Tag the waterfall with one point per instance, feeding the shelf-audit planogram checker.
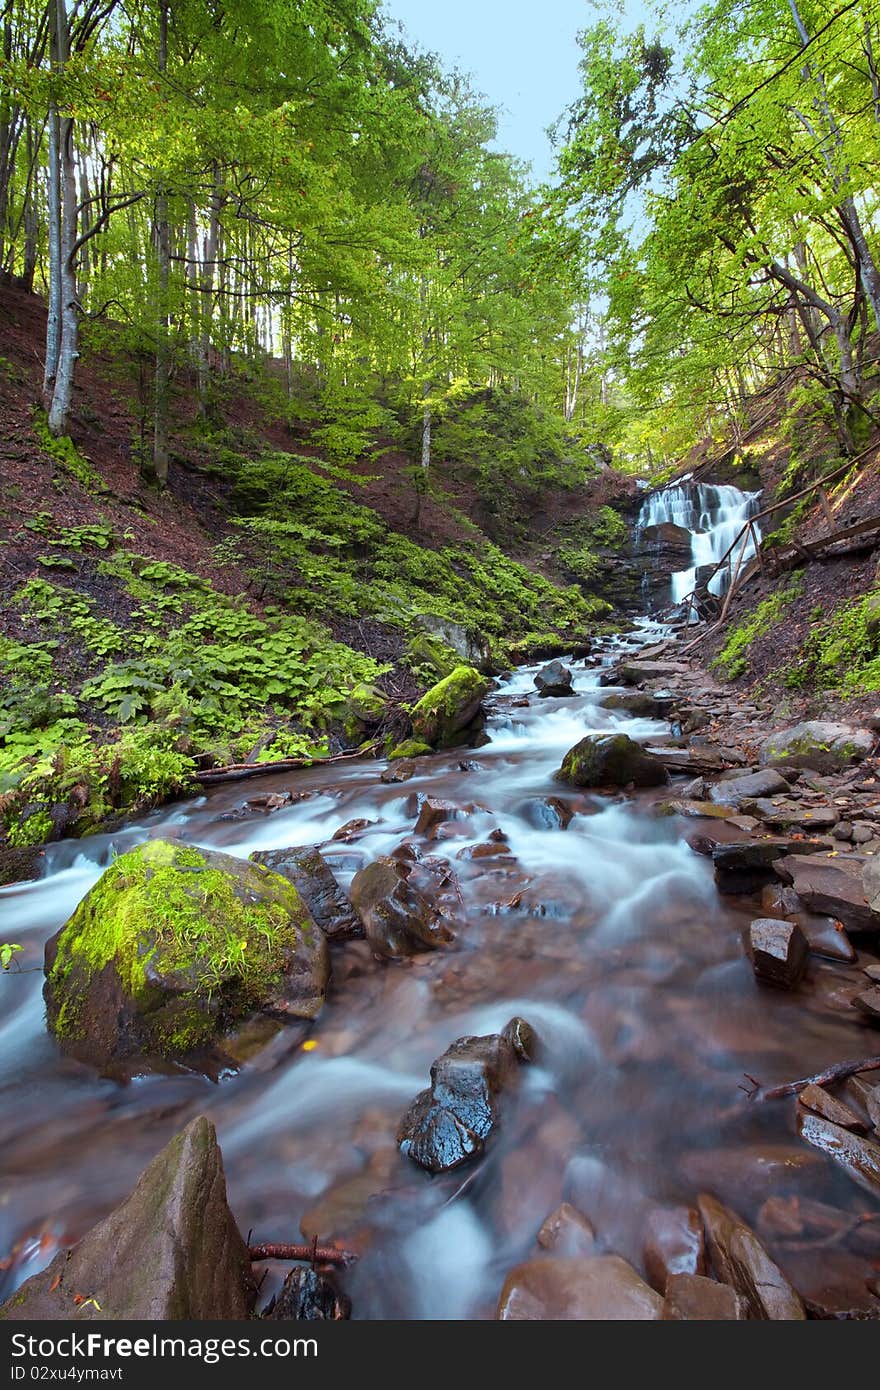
(714, 514)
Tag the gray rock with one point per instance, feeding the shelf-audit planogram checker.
(739, 789)
(846, 887)
(467, 642)
(554, 679)
(170, 1252)
(817, 744)
(307, 869)
(399, 919)
(778, 951)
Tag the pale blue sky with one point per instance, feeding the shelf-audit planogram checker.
(521, 53)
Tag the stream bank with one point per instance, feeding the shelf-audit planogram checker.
(609, 937)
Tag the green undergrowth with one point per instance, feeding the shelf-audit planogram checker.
(842, 651)
(733, 659)
(121, 676)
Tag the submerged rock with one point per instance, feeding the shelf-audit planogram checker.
(545, 813)
(817, 1099)
(449, 707)
(175, 947)
(596, 1289)
(778, 951)
(567, 1232)
(449, 1123)
(553, 679)
(310, 874)
(846, 887)
(739, 1259)
(817, 744)
(674, 1244)
(398, 918)
(171, 1251)
(611, 760)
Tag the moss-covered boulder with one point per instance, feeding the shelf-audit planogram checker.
(427, 653)
(611, 760)
(176, 949)
(819, 745)
(410, 748)
(362, 710)
(449, 706)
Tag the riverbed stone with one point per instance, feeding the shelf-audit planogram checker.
(310, 873)
(545, 812)
(819, 745)
(399, 919)
(554, 679)
(736, 791)
(152, 961)
(778, 951)
(846, 887)
(739, 1259)
(821, 1102)
(171, 1251)
(641, 704)
(597, 1289)
(694, 1298)
(674, 1244)
(868, 1002)
(307, 1296)
(450, 1122)
(611, 760)
(858, 1155)
(567, 1232)
(445, 711)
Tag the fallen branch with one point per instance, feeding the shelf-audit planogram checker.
(839, 1072)
(235, 772)
(314, 1253)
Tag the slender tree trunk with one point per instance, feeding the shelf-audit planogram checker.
(30, 217)
(53, 195)
(68, 348)
(162, 236)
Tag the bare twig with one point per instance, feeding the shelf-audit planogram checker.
(312, 1253)
(839, 1072)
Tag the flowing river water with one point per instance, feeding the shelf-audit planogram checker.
(609, 937)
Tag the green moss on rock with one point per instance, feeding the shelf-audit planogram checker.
(611, 760)
(174, 947)
(410, 748)
(449, 706)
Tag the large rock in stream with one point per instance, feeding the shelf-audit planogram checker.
(611, 760)
(553, 679)
(600, 1288)
(171, 1251)
(449, 1123)
(176, 950)
(446, 710)
(817, 744)
(399, 918)
(846, 887)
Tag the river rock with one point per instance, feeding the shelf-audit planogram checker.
(567, 1232)
(846, 887)
(869, 1003)
(735, 791)
(434, 811)
(858, 1155)
(307, 1296)
(449, 1123)
(307, 869)
(449, 707)
(152, 960)
(778, 951)
(674, 1244)
(399, 920)
(611, 760)
(641, 704)
(739, 1259)
(468, 643)
(553, 679)
(693, 1298)
(171, 1251)
(400, 771)
(545, 813)
(634, 672)
(817, 744)
(817, 1099)
(598, 1289)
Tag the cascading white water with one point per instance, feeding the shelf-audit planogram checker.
(714, 514)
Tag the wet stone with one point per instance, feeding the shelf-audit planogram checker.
(545, 813)
(857, 1155)
(567, 1232)
(868, 1003)
(400, 771)
(735, 791)
(693, 1298)
(308, 1296)
(739, 1259)
(306, 868)
(601, 1288)
(353, 829)
(817, 1099)
(451, 1121)
(554, 679)
(398, 918)
(778, 951)
(674, 1244)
